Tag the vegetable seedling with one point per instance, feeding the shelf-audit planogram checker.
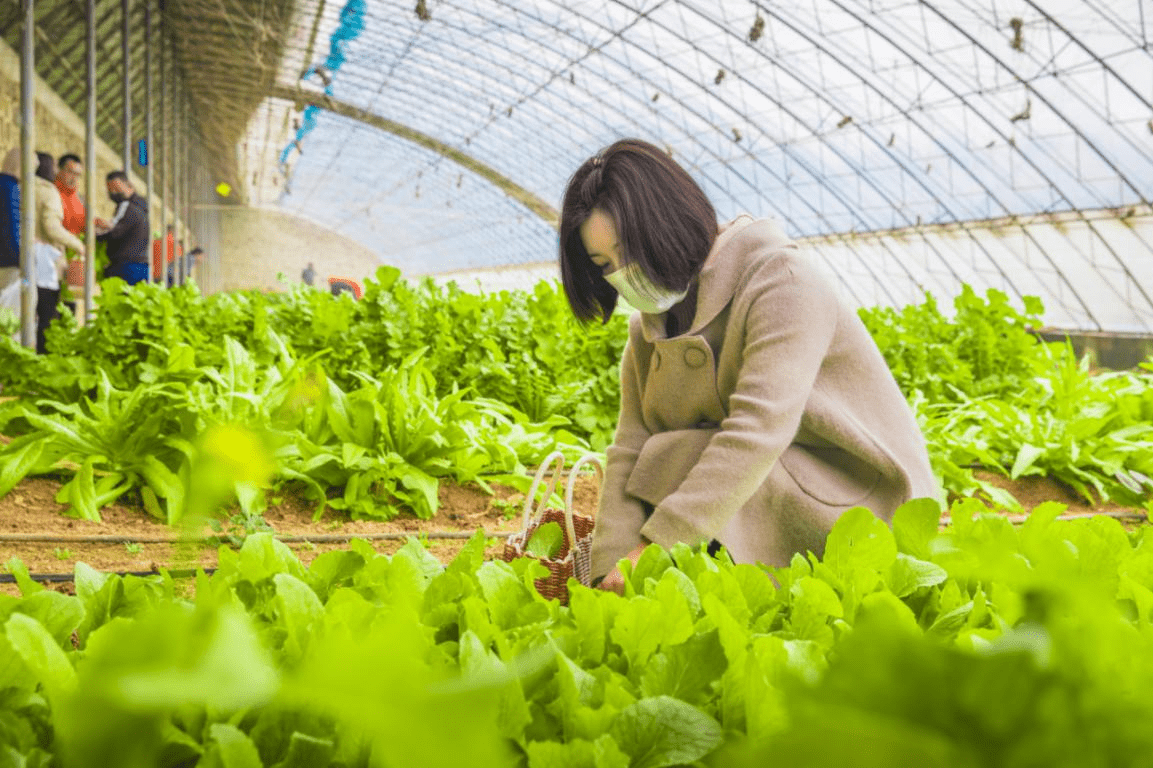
(545, 541)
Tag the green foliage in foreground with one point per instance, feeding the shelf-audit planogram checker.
(979, 645)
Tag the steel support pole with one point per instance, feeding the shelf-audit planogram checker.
(27, 174)
(177, 172)
(186, 191)
(150, 159)
(177, 180)
(90, 176)
(125, 30)
(190, 239)
(162, 155)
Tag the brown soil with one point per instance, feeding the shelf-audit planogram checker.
(1033, 491)
(31, 510)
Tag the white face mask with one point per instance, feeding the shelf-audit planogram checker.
(634, 287)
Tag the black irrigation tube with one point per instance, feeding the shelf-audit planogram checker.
(64, 578)
(8, 578)
(322, 538)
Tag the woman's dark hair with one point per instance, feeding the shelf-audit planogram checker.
(47, 166)
(665, 222)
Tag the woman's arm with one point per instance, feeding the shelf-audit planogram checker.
(621, 516)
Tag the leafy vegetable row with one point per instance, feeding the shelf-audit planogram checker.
(416, 382)
(197, 436)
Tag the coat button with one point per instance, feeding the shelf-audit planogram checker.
(656, 361)
(695, 357)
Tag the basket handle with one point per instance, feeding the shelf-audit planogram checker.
(588, 458)
(529, 511)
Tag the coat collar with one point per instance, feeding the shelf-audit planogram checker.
(721, 273)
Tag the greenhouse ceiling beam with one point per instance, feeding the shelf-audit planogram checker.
(499, 65)
(1138, 41)
(74, 90)
(644, 104)
(798, 159)
(787, 150)
(344, 109)
(1104, 65)
(820, 95)
(1104, 241)
(492, 64)
(916, 178)
(1040, 97)
(1000, 133)
(981, 246)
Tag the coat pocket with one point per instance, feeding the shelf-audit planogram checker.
(830, 475)
(665, 460)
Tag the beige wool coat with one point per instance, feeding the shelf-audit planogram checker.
(50, 219)
(764, 421)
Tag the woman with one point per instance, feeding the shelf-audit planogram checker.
(755, 407)
(51, 241)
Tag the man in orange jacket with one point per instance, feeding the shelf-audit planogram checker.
(70, 172)
(68, 177)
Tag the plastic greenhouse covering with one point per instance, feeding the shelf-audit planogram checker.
(915, 146)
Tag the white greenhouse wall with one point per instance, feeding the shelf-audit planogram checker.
(1092, 272)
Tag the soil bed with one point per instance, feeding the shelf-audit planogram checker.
(30, 510)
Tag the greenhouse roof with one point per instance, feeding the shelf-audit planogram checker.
(834, 117)
(441, 133)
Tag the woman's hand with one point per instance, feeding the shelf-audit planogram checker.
(615, 580)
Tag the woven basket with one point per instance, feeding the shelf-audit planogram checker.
(574, 559)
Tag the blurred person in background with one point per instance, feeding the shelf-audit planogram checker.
(52, 241)
(162, 264)
(193, 257)
(69, 174)
(755, 406)
(10, 219)
(126, 234)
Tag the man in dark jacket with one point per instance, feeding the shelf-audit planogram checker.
(127, 233)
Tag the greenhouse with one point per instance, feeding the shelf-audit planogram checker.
(309, 455)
